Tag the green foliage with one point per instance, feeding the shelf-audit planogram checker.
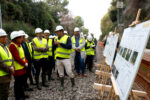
(32, 14)
(57, 8)
(78, 21)
(106, 26)
(85, 30)
(113, 14)
(16, 25)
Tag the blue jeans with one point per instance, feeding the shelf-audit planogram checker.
(79, 63)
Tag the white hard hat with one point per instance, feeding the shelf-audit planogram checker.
(47, 31)
(110, 33)
(58, 28)
(38, 30)
(22, 32)
(52, 36)
(76, 29)
(26, 36)
(85, 34)
(81, 34)
(89, 38)
(15, 34)
(2, 33)
(65, 32)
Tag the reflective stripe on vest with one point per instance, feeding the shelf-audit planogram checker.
(40, 55)
(80, 43)
(6, 58)
(22, 56)
(60, 51)
(50, 41)
(90, 51)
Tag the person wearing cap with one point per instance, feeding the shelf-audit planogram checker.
(63, 50)
(28, 53)
(65, 32)
(6, 66)
(50, 54)
(20, 63)
(95, 41)
(40, 57)
(78, 51)
(90, 52)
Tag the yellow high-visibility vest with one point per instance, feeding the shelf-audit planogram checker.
(6, 58)
(60, 51)
(80, 42)
(29, 48)
(22, 56)
(40, 55)
(50, 44)
(90, 51)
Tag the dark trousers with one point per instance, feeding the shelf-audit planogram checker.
(79, 63)
(29, 75)
(42, 63)
(19, 86)
(51, 65)
(4, 91)
(89, 62)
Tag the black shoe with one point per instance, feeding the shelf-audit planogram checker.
(91, 71)
(32, 83)
(29, 89)
(52, 79)
(44, 82)
(20, 99)
(61, 88)
(26, 97)
(39, 87)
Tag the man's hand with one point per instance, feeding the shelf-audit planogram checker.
(26, 64)
(77, 49)
(57, 42)
(45, 49)
(12, 70)
(92, 46)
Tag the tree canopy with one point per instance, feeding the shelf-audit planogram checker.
(30, 14)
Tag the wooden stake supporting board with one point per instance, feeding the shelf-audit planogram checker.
(137, 20)
(113, 92)
(110, 89)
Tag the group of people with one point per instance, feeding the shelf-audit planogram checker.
(27, 60)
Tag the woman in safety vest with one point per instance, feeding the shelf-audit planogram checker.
(20, 64)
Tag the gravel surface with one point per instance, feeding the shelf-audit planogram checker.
(85, 90)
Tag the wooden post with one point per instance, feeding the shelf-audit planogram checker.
(138, 15)
(137, 20)
(132, 95)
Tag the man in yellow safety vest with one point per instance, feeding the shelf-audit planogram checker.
(63, 50)
(40, 57)
(51, 60)
(6, 66)
(28, 53)
(90, 52)
(78, 50)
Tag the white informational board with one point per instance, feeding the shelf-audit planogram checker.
(129, 57)
(110, 48)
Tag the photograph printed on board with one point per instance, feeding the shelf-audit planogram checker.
(134, 57)
(128, 54)
(124, 52)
